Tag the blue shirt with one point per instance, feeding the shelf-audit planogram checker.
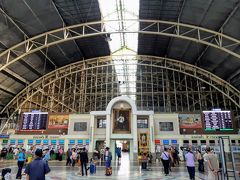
(21, 156)
(37, 169)
(47, 156)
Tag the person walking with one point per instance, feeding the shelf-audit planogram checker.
(190, 162)
(20, 163)
(38, 168)
(200, 161)
(60, 152)
(68, 157)
(165, 157)
(119, 153)
(84, 160)
(213, 164)
(108, 159)
(73, 157)
(176, 157)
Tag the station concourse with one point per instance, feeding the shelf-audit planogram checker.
(148, 89)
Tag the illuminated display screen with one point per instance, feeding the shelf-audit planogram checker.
(217, 120)
(34, 121)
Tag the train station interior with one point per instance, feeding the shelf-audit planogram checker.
(123, 81)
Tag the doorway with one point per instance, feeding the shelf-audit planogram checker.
(122, 151)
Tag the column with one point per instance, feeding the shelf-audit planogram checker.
(108, 130)
(180, 142)
(152, 134)
(91, 134)
(112, 149)
(25, 143)
(66, 140)
(135, 136)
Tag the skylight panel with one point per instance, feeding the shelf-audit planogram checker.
(124, 42)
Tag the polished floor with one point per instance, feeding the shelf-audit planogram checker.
(123, 170)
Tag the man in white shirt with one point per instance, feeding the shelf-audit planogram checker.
(190, 162)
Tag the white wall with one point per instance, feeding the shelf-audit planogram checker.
(98, 131)
(78, 118)
(166, 118)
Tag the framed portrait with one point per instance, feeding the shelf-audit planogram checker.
(121, 121)
(143, 140)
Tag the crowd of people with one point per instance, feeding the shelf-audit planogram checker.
(34, 162)
(207, 162)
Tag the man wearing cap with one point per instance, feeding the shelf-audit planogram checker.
(37, 169)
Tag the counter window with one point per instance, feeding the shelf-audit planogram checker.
(194, 141)
(203, 142)
(233, 142)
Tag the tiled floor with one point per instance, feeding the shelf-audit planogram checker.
(121, 171)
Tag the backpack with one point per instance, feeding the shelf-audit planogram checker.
(5, 171)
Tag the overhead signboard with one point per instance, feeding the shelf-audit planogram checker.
(217, 120)
(34, 121)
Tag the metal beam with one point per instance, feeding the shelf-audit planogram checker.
(64, 25)
(4, 89)
(233, 75)
(202, 18)
(15, 76)
(61, 35)
(219, 30)
(24, 63)
(103, 86)
(178, 20)
(174, 65)
(26, 36)
(64, 54)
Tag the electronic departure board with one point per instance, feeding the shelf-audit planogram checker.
(34, 121)
(217, 120)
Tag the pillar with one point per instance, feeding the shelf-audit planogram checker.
(91, 134)
(108, 130)
(66, 140)
(152, 135)
(135, 136)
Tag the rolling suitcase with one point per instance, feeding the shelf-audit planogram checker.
(92, 168)
(108, 171)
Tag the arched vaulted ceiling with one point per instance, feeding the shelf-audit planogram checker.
(23, 19)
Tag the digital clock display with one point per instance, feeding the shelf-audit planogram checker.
(217, 120)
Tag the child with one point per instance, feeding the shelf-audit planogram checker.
(92, 166)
